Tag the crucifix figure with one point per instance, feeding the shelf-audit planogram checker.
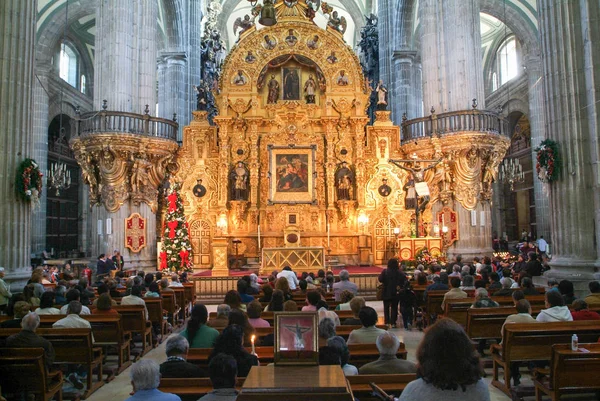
(298, 334)
(417, 169)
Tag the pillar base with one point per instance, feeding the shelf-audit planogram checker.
(579, 271)
(219, 250)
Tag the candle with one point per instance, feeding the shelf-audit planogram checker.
(328, 234)
(259, 237)
(252, 340)
(443, 220)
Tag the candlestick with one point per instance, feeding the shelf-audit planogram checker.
(259, 237)
(252, 340)
(328, 234)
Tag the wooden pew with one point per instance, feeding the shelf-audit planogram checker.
(24, 370)
(156, 315)
(169, 304)
(570, 372)
(486, 323)
(109, 334)
(391, 384)
(134, 320)
(533, 342)
(361, 354)
(180, 302)
(199, 356)
(191, 389)
(190, 297)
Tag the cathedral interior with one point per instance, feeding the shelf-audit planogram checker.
(352, 130)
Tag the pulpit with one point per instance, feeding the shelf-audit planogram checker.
(291, 383)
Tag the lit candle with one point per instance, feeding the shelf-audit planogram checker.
(252, 340)
(259, 237)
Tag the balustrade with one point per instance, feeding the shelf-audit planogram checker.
(121, 122)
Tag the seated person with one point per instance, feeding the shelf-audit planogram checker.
(454, 293)
(47, 305)
(27, 338)
(276, 304)
(339, 343)
(175, 281)
(20, 309)
(104, 306)
(242, 287)
(482, 300)
(230, 342)
(345, 298)
(468, 283)
(234, 300)
(505, 291)
(176, 365)
(368, 333)
(239, 318)
(523, 314)
(145, 379)
(356, 304)
(388, 363)
(312, 299)
(582, 312)
(290, 306)
(326, 331)
(74, 295)
(254, 311)
(223, 375)
(593, 300)
(267, 293)
(103, 289)
(135, 298)
(73, 320)
(153, 291)
(344, 285)
(164, 285)
(565, 287)
(527, 287)
(198, 334)
(556, 310)
(222, 319)
(494, 281)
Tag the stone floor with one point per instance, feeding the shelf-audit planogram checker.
(119, 388)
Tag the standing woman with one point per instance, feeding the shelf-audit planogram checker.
(393, 281)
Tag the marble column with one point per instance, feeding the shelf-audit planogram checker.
(451, 54)
(537, 121)
(125, 59)
(172, 94)
(407, 86)
(385, 15)
(18, 27)
(569, 34)
(194, 16)
(40, 153)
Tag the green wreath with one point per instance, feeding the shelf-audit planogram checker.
(29, 181)
(548, 163)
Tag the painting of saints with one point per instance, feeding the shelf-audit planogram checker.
(292, 173)
(291, 84)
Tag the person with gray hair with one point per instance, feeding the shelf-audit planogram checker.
(326, 331)
(456, 271)
(388, 363)
(482, 300)
(175, 281)
(5, 293)
(339, 344)
(164, 285)
(506, 290)
(27, 338)
(344, 284)
(176, 365)
(222, 319)
(468, 283)
(145, 378)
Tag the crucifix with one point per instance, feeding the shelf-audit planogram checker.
(417, 168)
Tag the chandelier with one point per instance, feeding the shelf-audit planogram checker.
(59, 177)
(511, 172)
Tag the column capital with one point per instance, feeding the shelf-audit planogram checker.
(172, 57)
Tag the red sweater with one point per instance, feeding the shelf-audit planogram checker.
(585, 314)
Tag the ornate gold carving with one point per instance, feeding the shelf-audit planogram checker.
(132, 167)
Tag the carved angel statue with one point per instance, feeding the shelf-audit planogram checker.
(313, 7)
(338, 23)
(243, 24)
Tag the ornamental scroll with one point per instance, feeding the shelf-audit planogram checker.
(135, 232)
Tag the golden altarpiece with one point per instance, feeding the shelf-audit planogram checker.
(292, 162)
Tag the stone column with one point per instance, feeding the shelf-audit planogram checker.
(407, 86)
(193, 59)
(40, 154)
(385, 15)
(537, 121)
(125, 62)
(18, 26)
(450, 49)
(172, 95)
(569, 34)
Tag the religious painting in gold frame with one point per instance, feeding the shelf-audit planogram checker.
(291, 172)
(296, 338)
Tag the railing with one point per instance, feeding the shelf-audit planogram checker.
(121, 122)
(483, 121)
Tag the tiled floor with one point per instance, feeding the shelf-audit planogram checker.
(119, 389)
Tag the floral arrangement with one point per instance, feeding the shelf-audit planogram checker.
(548, 161)
(425, 258)
(28, 183)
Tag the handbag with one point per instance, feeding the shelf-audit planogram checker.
(379, 293)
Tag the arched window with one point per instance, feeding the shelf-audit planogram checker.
(508, 63)
(82, 86)
(68, 64)
(494, 82)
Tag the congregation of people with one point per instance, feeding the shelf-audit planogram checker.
(232, 333)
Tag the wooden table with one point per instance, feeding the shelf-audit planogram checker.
(291, 383)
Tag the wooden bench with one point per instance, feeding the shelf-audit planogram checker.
(180, 302)
(190, 296)
(361, 354)
(134, 320)
(109, 334)
(169, 304)
(191, 389)
(199, 356)
(533, 342)
(392, 383)
(24, 370)
(157, 316)
(570, 372)
(486, 323)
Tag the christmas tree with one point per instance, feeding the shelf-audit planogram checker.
(176, 253)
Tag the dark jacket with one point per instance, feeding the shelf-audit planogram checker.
(407, 298)
(392, 282)
(28, 339)
(181, 369)
(533, 268)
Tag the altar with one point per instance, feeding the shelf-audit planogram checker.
(300, 259)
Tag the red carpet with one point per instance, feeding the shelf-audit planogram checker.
(351, 270)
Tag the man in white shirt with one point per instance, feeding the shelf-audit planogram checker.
(135, 299)
(74, 295)
(290, 276)
(542, 245)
